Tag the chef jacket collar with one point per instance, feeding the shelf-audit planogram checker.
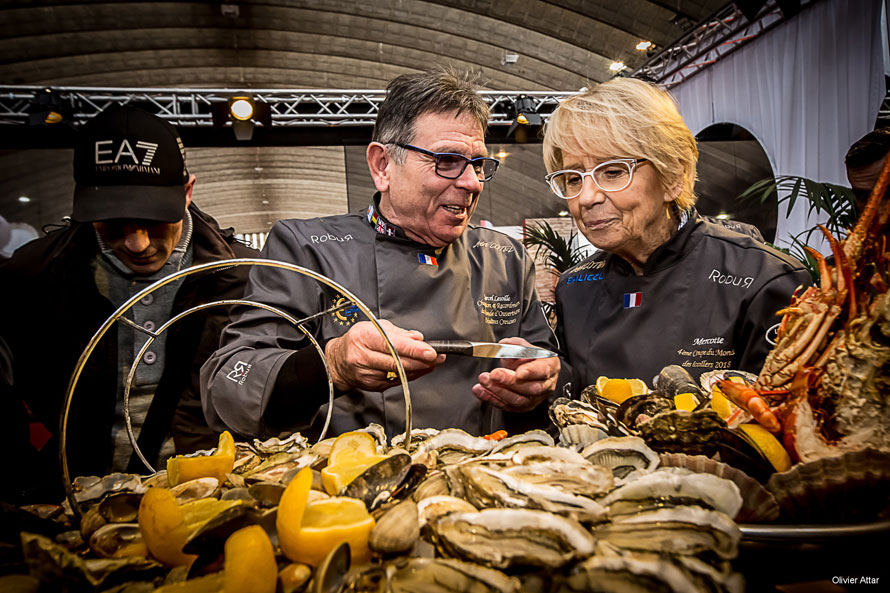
(378, 221)
(668, 253)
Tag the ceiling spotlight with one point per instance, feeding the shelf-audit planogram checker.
(616, 66)
(241, 113)
(241, 108)
(724, 216)
(24, 199)
(502, 155)
(526, 120)
(644, 45)
(562, 213)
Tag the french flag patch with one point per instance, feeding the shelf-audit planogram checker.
(428, 260)
(633, 299)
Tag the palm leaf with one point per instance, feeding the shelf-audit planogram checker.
(559, 251)
(836, 201)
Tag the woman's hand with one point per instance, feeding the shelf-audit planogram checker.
(520, 384)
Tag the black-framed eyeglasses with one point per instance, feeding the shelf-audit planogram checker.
(613, 175)
(451, 165)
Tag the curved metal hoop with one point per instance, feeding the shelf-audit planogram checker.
(156, 334)
(217, 265)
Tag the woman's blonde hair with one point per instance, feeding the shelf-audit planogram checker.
(626, 117)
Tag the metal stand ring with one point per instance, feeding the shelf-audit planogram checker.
(156, 334)
(91, 346)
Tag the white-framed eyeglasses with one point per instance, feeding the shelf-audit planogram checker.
(612, 175)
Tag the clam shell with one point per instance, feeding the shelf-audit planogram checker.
(436, 484)
(758, 504)
(850, 488)
(117, 540)
(196, 489)
(397, 529)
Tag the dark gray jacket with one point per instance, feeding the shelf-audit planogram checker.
(707, 300)
(481, 287)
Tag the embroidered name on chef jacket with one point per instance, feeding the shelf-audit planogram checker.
(633, 299)
(427, 259)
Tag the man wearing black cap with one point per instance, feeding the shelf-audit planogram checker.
(134, 223)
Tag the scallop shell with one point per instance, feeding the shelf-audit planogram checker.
(850, 488)
(758, 504)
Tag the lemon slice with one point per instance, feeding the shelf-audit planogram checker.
(249, 564)
(327, 524)
(163, 527)
(351, 454)
(638, 386)
(216, 465)
(290, 510)
(685, 401)
(617, 390)
(334, 478)
(767, 445)
(350, 446)
(721, 404)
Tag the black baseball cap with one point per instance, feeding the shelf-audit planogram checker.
(129, 163)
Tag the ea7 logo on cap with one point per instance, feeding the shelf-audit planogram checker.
(105, 149)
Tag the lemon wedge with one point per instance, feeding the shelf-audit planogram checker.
(307, 532)
(721, 404)
(685, 401)
(350, 446)
(767, 445)
(249, 565)
(163, 527)
(351, 454)
(216, 465)
(330, 522)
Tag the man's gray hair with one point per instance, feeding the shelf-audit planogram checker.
(410, 96)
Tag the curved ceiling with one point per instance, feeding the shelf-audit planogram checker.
(560, 45)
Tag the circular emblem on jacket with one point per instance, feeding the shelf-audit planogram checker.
(347, 314)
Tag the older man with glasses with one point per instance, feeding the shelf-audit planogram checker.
(414, 259)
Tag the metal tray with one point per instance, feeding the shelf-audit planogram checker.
(810, 533)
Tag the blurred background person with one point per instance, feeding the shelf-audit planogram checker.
(133, 224)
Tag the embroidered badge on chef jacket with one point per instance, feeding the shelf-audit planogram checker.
(426, 259)
(633, 299)
(344, 315)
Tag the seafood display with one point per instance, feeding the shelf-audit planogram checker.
(825, 387)
(453, 513)
(631, 489)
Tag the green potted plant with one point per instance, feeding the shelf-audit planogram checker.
(837, 201)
